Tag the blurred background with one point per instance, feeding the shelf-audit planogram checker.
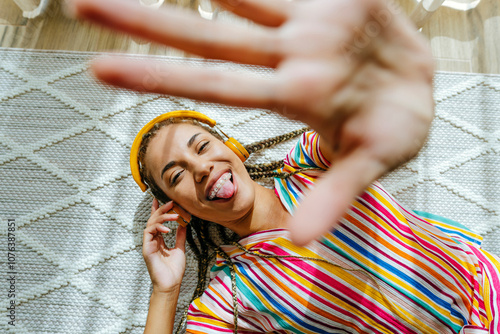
(463, 33)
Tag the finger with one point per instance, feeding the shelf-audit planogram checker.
(266, 12)
(170, 216)
(163, 229)
(150, 232)
(160, 215)
(155, 229)
(154, 205)
(183, 30)
(196, 83)
(322, 209)
(160, 219)
(180, 238)
(166, 207)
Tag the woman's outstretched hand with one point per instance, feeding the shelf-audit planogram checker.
(354, 70)
(165, 266)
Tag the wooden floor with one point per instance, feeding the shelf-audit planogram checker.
(462, 41)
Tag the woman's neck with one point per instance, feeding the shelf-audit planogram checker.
(268, 213)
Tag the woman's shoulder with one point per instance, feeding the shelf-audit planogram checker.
(306, 153)
(303, 165)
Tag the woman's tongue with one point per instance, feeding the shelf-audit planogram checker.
(226, 191)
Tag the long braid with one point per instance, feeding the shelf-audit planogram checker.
(267, 170)
(264, 167)
(203, 261)
(273, 141)
(222, 233)
(201, 228)
(203, 257)
(191, 242)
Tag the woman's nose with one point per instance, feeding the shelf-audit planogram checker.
(202, 169)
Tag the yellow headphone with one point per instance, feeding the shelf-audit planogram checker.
(232, 143)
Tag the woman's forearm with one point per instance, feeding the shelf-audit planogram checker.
(161, 312)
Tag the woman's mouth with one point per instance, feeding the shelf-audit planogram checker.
(223, 187)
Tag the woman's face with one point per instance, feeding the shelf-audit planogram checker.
(200, 173)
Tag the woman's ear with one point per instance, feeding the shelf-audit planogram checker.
(184, 216)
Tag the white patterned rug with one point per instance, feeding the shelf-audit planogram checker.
(79, 217)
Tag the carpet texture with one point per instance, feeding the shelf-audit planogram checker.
(79, 216)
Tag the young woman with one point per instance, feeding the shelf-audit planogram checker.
(361, 76)
(383, 269)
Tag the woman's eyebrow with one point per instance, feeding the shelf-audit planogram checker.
(172, 163)
(191, 140)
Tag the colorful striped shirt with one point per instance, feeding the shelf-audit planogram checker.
(383, 269)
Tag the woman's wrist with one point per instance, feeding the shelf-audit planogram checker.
(170, 292)
(161, 314)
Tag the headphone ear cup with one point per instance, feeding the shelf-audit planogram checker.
(237, 148)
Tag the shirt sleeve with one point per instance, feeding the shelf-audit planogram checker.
(305, 163)
(457, 231)
(306, 153)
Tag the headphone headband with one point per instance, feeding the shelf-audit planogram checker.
(134, 152)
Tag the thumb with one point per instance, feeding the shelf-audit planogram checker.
(332, 196)
(180, 238)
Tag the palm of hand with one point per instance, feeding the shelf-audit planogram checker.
(165, 265)
(368, 93)
(361, 87)
(355, 71)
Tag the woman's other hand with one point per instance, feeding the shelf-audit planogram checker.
(356, 71)
(165, 266)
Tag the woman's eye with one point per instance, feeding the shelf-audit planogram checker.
(203, 147)
(174, 179)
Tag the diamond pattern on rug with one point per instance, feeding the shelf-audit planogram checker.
(472, 103)
(41, 271)
(27, 66)
(443, 134)
(92, 155)
(74, 309)
(109, 99)
(64, 167)
(428, 196)
(10, 80)
(46, 116)
(27, 188)
(111, 280)
(110, 198)
(479, 183)
(125, 124)
(74, 242)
